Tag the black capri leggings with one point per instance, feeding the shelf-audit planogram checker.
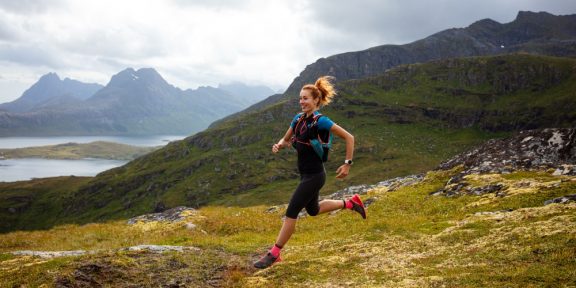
(306, 195)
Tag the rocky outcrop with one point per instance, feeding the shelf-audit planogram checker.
(177, 214)
(533, 149)
(539, 150)
(463, 188)
(145, 248)
(563, 199)
(50, 254)
(390, 185)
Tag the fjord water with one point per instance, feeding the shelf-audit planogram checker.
(147, 141)
(26, 169)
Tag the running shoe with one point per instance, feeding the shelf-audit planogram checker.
(267, 261)
(358, 206)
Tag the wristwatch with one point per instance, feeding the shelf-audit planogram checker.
(348, 161)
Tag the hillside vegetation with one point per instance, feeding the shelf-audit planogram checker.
(98, 149)
(405, 121)
(410, 239)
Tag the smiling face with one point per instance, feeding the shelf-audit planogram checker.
(307, 102)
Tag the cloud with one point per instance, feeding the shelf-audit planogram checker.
(377, 22)
(194, 43)
(30, 55)
(214, 4)
(26, 7)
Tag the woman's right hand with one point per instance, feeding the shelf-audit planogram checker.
(283, 142)
(276, 147)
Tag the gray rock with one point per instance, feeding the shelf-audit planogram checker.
(491, 213)
(527, 150)
(50, 254)
(151, 248)
(565, 170)
(464, 188)
(562, 200)
(171, 215)
(159, 248)
(272, 209)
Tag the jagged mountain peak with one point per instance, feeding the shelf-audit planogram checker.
(485, 23)
(124, 75)
(531, 32)
(49, 88)
(533, 16)
(51, 76)
(130, 75)
(150, 72)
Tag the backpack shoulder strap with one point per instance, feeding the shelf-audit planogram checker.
(301, 117)
(317, 132)
(316, 118)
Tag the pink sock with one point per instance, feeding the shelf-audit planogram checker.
(275, 251)
(348, 204)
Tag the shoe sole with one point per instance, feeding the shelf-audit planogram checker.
(276, 261)
(356, 199)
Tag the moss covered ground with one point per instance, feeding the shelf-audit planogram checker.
(410, 239)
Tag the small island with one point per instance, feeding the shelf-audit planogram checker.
(75, 151)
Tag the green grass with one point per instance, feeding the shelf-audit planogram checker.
(36, 204)
(410, 238)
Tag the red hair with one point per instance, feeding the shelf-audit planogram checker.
(323, 89)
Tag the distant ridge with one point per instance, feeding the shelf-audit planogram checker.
(50, 91)
(531, 32)
(539, 33)
(134, 102)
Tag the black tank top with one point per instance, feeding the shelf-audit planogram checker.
(308, 161)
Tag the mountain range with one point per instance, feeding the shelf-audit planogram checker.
(133, 102)
(534, 33)
(406, 119)
(51, 92)
(538, 33)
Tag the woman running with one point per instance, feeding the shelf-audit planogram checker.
(310, 164)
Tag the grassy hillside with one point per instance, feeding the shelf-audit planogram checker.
(405, 121)
(410, 239)
(98, 149)
(36, 204)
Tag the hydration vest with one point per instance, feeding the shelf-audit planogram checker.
(320, 145)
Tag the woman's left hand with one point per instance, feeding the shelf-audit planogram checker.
(343, 171)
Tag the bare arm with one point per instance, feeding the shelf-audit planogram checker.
(283, 142)
(344, 169)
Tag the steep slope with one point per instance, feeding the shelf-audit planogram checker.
(535, 33)
(538, 33)
(423, 111)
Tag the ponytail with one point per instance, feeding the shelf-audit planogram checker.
(323, 89)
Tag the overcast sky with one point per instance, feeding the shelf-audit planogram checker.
(207, 42)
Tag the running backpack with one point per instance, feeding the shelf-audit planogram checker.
(320, 143)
